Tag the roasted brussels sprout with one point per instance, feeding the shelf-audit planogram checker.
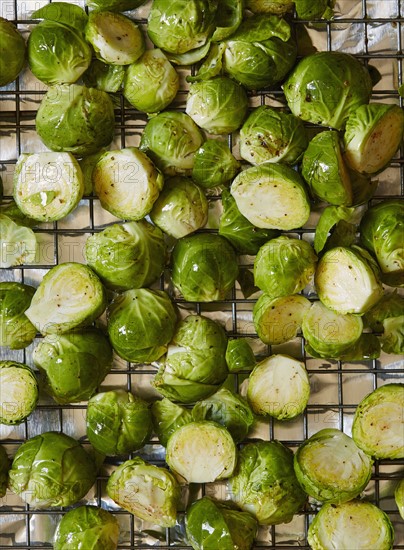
(18, 243)
(16, 330)
(12, 52)
(18, 392)
(167, 417)
(214, 164)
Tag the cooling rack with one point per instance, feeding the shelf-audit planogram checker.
(373, 31)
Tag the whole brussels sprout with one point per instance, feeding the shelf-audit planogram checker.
(214, 164)
(52, 469)
(16, 330)
(87, 527)
(5, 464)
(168, 417)
(18, 392)
(12, 52)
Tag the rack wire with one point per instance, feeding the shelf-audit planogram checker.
(373, 31)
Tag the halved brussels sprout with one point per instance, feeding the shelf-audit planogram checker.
(51, 470)
(18, 243)
(378, 423)
(13, 51)
(240, 356)
(131, 255)
(147, 491)
(18, 392)
(272, 196)
(5, 464)
(16, 330)
(399, 497)
(47, 186)
(87, 527)
(167, 417)
(202, 452)
(104, 77)
(214, 164)
(331, 467)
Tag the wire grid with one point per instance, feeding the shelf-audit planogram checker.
(336, 387)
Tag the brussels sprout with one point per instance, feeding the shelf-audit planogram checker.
(18, 392)
(331, 219)
(326, 87)
(265, 484)
(141, 323)
(201, 452)
(4, 468)
(272, 196)
(279, 7)
(387, 317)
(271, 135)
(11, 210)
(324, 169)
(278, 320)
(168, 417)
(16, 331)
(189, 58)
(366, 348)
(63, 12)
(181, 25)
(239, 356)
(331, 467)
(378, 422)
(195, 366)
(381, 232)
(87, 527)
(399, 497)
(314, 9)
(214, 164)
(127, 183)
(69, 296)
(284, 266)
(76, 119)
(355, 524)
(57, 53)
(104, 77)
(151, 83)
(115, 5)
(47, 186)
(228, 409)
(392, 339)
(229, 16)
(373, 133)
(52, 469)
(330, 333)
(131, 255)
(18, 243)
(211, 524)
(218, 105)
(73, 364)
(181, 207)
(12, 52)
(204, 267)
(118, 423)
(149, 492)
(171, 139)
(347, 280)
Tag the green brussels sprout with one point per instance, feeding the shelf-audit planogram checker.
(18, 243)
(229, 16)
(16, 330)
(73, 364)
(151, 82)
(329, 333)
(168, 417)
(63, 12)
(57, 53)
(278, 320)
(47, 186)
(272, 196)
(181, 25)
(392, 339)
(147, 491)
(87, 527)
(12, 52)
(228, 409)
(211, 524)
(347, 280)
(326, 87)
(387, 317)
(18, 392)
(195, 366)
(355, 524)
(378, 423)
(69, 296)
(324, 170)
(114, 5)
(75, 119)
(118, 423)
(218, 105)
(373, 133)
(201, 452)
(191, 57)
(271, 135)
(381, 232)
(399, 497)
(204, 267)
(242, 234)
(314, 9)
(11, 210)
(141, 323)
(5, 464)
(181, 207)
(104, 77)
(214, 164)
(335, 219)
(331, 468)
(239, 355)
(284, 266)
(277, 7)
(265, 483)
(171, 139)
(125, 256)
(366, 348)
(51, 469)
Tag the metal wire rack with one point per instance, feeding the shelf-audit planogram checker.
(372, 30)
